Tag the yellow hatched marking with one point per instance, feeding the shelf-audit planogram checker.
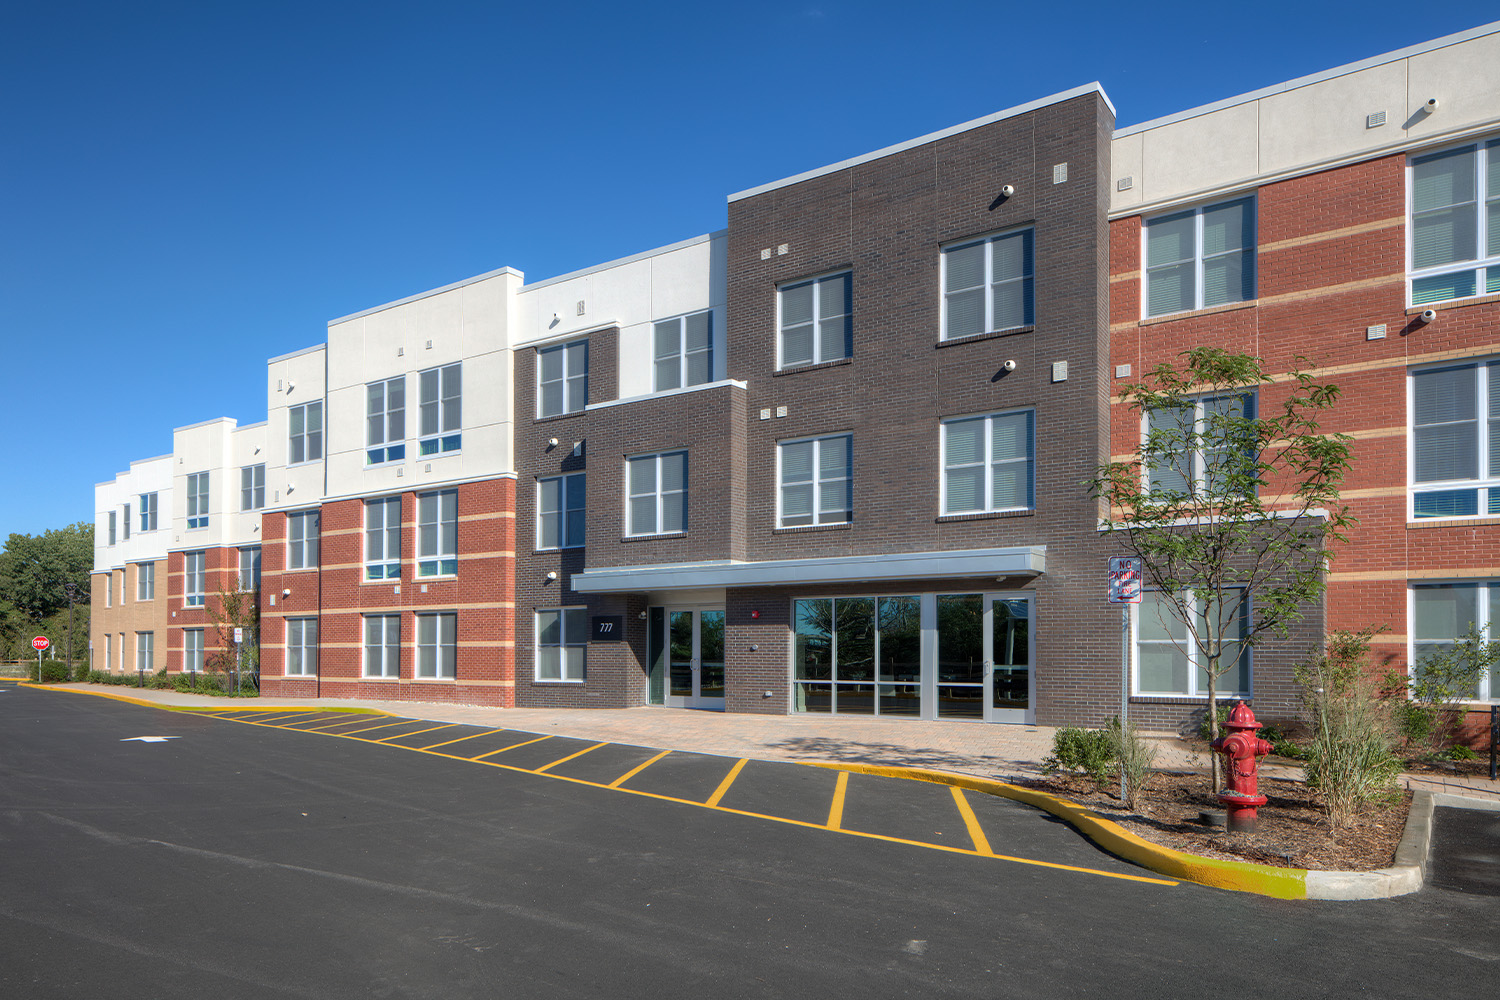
(371, 729)
(445, 743)
(734, 772)
(331, 725)
(492, 753)
(637, 770)
(564, 760)
(296, 725)
(981, 842)
(283, 716)
(419, 732)
(836, 810)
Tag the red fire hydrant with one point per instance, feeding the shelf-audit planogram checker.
(1241, 749)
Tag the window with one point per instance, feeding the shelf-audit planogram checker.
(122, 587)
(250, 569)
(989, 463)
(1201, 257)
(111, 527)
(125, 522)
(1455, 440)
(194, 563)
(437, 533)
(442, 409)
(561, 639)
(437, 645)
(1168, 662)
(145, 651)
(987, 285)
(857, 655)
(109, 589)
(121, 647)
(305, 433)
(145, 581)
(197, 500)
(192, 650)
(385, 421)
(816, 320)
(148, 511)
(382, 645)
(1455, 223)
(560, 510)
(815, 477)
(1442, 613)
(252, 487)
(1186, 450)
(383, 539)
(684, 351)
(658, 493)
(563, 378)
(109, 648)
(302, 540)
(301, 647)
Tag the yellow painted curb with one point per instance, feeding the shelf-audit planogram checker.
(148, 703)
(1240, 876)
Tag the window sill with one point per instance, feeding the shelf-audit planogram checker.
(308, 461)
(815, 366)
(388, 581)
(1184, 699)
(563, 548)
(431, 579)
(986, 515)
(988, 335)
(553, 680)
(549, 418)
(434, 680)
(299, 569)
(793, 529)
(452, 453)
(648, 538)
(1472, 520)
(383, 680)
(1207, 311)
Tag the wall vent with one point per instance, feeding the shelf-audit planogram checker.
(1059, 173)
(1124, 183)
(1375, 119)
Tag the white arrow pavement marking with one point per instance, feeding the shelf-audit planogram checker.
(150, 739)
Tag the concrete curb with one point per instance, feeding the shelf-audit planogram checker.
(148, 703)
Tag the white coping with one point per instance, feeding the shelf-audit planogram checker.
(1014, 561)
(297, 354)
(595, 268)
(1303, 81)
(204, 423)
(427, 294)
(1020, 109)
(667, 392)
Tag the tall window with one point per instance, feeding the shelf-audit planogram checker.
(562, 378)
(145, 581)
(250, 569)
(385, 420)
(1201, 257)
(197, 500)
(816, 320)
(112, 519)
(148, 511)
(145, 651)
(122, 586)
(301, 647)
(658, 493)
(305, 432)
(815, 478)
(1455, 223)
(1168, 662)
(441, 408)
(437, 533)
(302, 540)
(989, 463)
(125, 522)
(192, 650)
(1185, 445)
(194, 564)
(1445, 612)
(252, 487)
(562, 637)
(857, 655)
(382, 646)
(109, 648)
(437, 645)
(684, 351)
(987, 285)
(383, 539)
(1455, 440)
(560, 512)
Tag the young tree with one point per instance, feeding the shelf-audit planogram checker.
(237, 661)
(1224, 500)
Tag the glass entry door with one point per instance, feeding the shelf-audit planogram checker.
(984, 658)
(695, 658)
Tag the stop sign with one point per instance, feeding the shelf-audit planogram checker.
(40, 642)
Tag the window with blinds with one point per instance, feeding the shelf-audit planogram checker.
(988, 285)
(989, 463)
(683, 351)
(1200, 258)
(1455, 440)
(815, 477)
(816, 321)
(1455, 223)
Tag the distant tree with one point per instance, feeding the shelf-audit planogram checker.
(35, 571)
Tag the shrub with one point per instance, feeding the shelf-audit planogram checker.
(54, 672)
(161, 680)
(1351, 759)
(1458, 752)
(1137, 757)
(1081, 751)
(1428, 707)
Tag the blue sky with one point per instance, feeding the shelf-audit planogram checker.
(188, 188)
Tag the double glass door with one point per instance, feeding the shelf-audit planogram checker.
(694, 657)
(984, 657)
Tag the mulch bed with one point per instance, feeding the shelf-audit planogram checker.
(1292, 831)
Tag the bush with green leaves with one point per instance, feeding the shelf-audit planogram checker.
(1351, 758)
(1089, 752)
(1136, 757)
(1428, 704)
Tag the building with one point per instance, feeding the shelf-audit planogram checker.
(830, 458)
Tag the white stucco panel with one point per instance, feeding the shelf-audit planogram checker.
(1208, 151)
(1465, 79)
(1326, 120)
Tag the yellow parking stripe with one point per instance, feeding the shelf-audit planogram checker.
(836, 810)
(370, 729)
(564, 760)
(331, 725)
(636, 770)
(419, 732)
(511, 747)
(981, 842)
(734, 772)
(434, 746)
